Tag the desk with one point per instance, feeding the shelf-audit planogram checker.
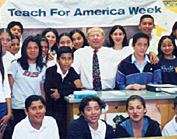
(116, 103)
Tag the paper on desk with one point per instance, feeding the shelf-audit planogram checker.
(162, 85)
(118, 93)
(112, 94)
(170, 90)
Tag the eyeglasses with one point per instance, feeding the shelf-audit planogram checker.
(95, 35)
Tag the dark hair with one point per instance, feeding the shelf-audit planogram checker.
(24, 57)
(15, 37)
(175, 101)
(63, 49)
(138, 36)
(135, 97)
(84, 102)
(1, 63)
(15, 23)
(146, 16)
(124, 43)
(82, 34)
(64, 34)
(160, 53)
(173, 30)
(6, 30)
(54, 47)
(32, 98)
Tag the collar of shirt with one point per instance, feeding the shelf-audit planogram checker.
(100, 132)
(60, 72)
(140, 67)
(32, 129)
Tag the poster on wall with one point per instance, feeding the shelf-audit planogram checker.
(79, 13)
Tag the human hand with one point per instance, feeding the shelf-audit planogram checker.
(153, 58)
(78, 83)
(55, 95)
(4, 120)
(51, 56)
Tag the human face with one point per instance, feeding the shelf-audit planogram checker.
(6, 41)
(140, 47)
(32, 51)
(36, 112)
(16, 30)
(167, 47)
(92, 113)
(118, 37)
(136, 111)
(65, 41)
(45, 48)
(65, 62)
(15, 46)
(78, 40)
(146, 26)
(175, 33)
(95, 38)
(51, 38)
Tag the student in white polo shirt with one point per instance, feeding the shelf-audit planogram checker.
(36, 125)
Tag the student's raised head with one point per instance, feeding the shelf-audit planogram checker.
(52, 36)
(44, 44)
(16, 28)
(64, 58)
(166, 46)
(96, 37)
(174, 31)
(79, 39)
(35, 108)
(135, 105)
(117, 35)
(91, 105)
(6, 39)
(15, 45)
(65, 39)
(146, 24)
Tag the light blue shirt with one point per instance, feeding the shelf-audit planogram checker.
(140, 67)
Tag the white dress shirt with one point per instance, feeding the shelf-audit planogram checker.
(108, 62)
(48, 130)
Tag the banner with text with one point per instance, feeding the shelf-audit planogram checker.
(79, 13)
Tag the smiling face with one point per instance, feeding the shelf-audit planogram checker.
(51, 39)
(36, 112)
(16, 30)
(78, 40)
(65, 41)
(95, 38)
(45, 48)
(15, 46)
(146, 26)
(65, 61)
(5, 41)
(32, 51)
(167, 47)
(136, 111)
(92, 113)
(118, 37)
(140, 47)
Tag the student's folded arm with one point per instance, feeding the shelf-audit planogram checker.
(120, 80)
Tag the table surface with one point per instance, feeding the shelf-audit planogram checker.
(122, 95)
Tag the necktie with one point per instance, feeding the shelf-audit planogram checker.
(96, 73)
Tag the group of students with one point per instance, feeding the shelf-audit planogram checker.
(44, 66)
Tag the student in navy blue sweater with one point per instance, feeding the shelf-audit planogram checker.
(168, 61)
(89, 125)
(135, 71)
(61, 80)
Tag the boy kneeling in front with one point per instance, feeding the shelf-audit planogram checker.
(136, 71)
(36, 125)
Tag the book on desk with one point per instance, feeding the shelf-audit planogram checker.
(168, 88)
